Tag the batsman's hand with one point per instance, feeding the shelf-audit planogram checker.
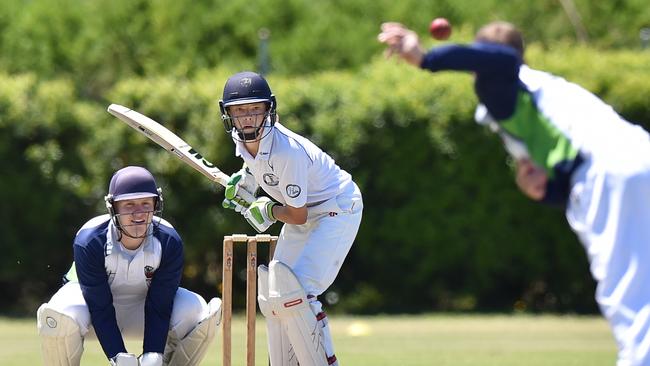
(235, 204)
(242, 180)
(151, 359)
(124, 359)
(260, 214)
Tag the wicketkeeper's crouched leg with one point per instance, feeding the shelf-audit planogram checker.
(188, 340)
(61, 340)
(298, 330)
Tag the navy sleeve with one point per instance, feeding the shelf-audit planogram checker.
(160, 297)
(496, 67)
(89, 262)
(481, 58)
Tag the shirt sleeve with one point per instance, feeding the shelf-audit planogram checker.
(89, 262)
(294, 171)
(496, 68)
(160, 297)
(480, 57)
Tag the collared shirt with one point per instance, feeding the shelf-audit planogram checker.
(293, 170)
(109, 276)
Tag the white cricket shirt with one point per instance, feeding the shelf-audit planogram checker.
(293, 170)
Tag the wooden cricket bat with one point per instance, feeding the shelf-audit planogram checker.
(174, 144)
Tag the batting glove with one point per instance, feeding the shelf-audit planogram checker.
(124, 359)
(151, 359)
(242, 180)
(234, 204)
(260, 214)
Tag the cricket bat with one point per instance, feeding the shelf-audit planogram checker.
(174, 144)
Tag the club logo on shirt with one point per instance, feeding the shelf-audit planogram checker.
(293, 190)
(270, 179)
(148, 274)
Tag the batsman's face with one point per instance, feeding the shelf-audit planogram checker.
(135, 215)
(248, 117)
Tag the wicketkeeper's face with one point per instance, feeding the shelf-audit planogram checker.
(135, 215)
(248, 117)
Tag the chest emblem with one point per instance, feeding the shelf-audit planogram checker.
(293, 190)
(270, 179)
(148, 274)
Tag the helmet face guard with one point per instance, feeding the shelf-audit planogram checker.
(153, 217)
(246, 88)
(134, 183)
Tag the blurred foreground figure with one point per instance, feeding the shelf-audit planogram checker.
(572, 150)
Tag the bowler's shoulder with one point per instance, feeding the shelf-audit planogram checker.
(535, 78)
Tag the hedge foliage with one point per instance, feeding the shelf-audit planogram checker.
(444, 226)
(95, 43)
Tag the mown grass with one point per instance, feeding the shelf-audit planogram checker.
(441, 340)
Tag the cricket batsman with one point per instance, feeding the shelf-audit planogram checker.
(318, 203)
(571, 150)
(124, 282)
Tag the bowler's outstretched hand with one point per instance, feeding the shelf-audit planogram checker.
(401, 41)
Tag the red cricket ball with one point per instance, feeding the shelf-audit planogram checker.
(440, 29)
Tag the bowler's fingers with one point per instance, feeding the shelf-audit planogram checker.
(393, 43)
(399, 40)
(388, 26)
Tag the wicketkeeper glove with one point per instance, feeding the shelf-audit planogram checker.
(260, 214)
(151, 359)
(242, 180)
(124, 359)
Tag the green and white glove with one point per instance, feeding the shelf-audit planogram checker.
(242, 180)
(260, 214)
(234, 204)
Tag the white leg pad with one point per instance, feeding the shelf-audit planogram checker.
(280, 350)
(190, 350)
(326, 335)
(61, 340)
(289, 302)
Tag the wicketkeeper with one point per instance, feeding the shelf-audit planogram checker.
(124, 282)
(572, 150)
(319, 205)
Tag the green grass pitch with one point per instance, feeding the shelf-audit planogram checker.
(442, 340)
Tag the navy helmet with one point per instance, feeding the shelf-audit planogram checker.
(132, 182)
(244, 88)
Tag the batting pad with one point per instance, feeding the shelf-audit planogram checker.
(61, 340)
(190, 350)
(280, 350)
(289, 302)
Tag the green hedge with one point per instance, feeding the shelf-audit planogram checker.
(444, 226)
(96, 43)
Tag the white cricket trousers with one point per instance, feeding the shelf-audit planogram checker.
(189, 309)
(609, 209)
(316, 250)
